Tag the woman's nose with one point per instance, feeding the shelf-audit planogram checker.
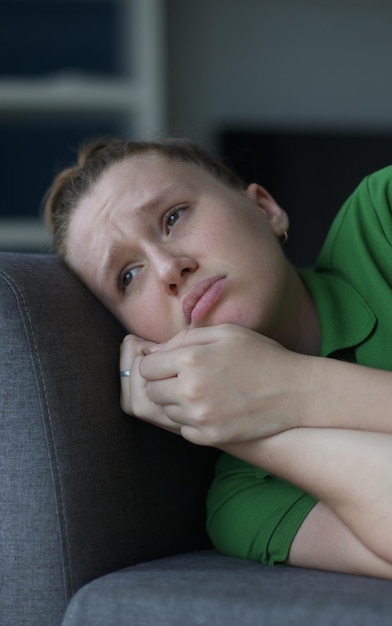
(173, 270)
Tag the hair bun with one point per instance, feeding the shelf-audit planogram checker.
(92, 149)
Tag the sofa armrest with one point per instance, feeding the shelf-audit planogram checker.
(85, 489)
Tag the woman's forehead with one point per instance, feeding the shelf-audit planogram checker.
(133, 188)
(141, 179)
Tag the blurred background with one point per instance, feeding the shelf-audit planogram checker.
(295, 94)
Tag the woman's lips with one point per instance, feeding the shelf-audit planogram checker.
(201, 297)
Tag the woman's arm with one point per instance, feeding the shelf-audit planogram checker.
(350, 472)
(345, 395)
(323, 541)
(209, 393)
(224, 384)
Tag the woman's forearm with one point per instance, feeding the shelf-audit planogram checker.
(350, 471)
(345, 395)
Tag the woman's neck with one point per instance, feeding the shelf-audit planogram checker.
(308, 340)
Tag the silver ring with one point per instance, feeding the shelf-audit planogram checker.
(125, 373)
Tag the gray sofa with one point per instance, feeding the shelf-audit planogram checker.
(102, 516)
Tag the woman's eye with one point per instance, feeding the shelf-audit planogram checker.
(127, 277)
(172, 216)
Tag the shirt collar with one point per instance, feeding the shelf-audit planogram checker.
(345, 318)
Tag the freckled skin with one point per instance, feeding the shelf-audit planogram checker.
(211, 230)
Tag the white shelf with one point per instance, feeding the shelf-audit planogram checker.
(137, 97)
(24, 234)
(68, 95)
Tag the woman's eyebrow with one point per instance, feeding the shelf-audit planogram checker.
(156, 202)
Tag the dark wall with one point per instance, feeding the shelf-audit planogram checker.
(309, 173)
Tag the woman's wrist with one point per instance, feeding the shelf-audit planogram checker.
(346, 395)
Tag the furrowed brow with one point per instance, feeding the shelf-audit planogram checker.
(148, 207)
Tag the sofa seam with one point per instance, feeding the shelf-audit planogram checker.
(20, 299)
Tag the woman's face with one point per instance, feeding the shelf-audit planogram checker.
(167, 247)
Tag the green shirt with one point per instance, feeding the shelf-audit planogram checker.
(256, 515)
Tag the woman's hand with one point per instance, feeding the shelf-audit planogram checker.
(219, 385)
(134, 399)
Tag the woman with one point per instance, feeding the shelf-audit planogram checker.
(227, 338)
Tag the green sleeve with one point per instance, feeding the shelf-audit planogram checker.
(253, 514)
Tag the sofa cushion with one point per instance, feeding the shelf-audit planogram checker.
(209, 588)
(85, 489)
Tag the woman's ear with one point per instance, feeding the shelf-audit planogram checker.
(276, 216)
